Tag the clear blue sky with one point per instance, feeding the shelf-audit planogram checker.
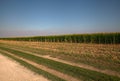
(48, 17)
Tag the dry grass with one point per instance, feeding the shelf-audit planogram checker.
(103, 56)
(75, 48)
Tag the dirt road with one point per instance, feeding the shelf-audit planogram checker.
(13, 71)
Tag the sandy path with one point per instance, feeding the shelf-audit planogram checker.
(52, 71)
(109, 72)
(13, 71)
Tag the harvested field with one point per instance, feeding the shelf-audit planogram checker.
(93, 63)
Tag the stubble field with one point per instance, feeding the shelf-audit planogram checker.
(66, 61)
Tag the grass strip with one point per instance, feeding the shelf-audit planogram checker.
(80, 73)
(34, 69)
(100, 62)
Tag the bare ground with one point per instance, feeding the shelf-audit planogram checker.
(13, 71)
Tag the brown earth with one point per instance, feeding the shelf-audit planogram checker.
(13, 71)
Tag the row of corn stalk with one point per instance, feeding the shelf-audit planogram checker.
(98, 38)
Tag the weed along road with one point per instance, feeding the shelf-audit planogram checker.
(13, 71)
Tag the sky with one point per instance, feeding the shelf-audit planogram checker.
(55, 17)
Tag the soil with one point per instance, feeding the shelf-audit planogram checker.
(13, 71)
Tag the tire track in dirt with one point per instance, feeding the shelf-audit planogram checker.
(10, 70)
(52, 71)
(108, 72)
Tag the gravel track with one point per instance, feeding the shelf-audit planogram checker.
(10, 70)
